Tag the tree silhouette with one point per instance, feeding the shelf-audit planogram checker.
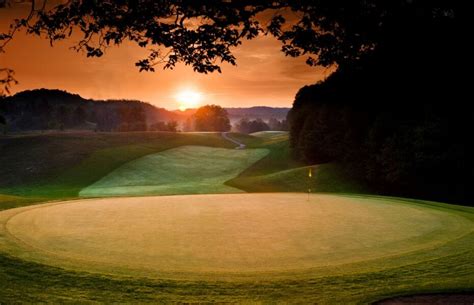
(249, 126)
(211, 118)
(203, 33)
(394, 109)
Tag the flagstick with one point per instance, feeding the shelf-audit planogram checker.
(310, 175)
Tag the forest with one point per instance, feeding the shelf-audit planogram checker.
(397, 117)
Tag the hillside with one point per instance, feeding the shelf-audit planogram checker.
(44, 109)
(59, 165)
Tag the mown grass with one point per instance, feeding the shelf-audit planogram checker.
(181, 170)
(57, 166)
(46, 167)
(23, 281)
(231, 236)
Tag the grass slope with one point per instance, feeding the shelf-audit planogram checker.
(57, 166)
(41, 167)
(182, 170)
(270, 134)
(278, 172)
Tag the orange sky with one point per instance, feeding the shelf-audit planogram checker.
(263, 75)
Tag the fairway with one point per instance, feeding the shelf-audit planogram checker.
(181, 170)
(232, 234)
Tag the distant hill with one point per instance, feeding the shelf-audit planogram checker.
(44, 109)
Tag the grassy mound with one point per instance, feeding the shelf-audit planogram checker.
(182, 170)
(270, 134)
(326, 178)
(278, 172)
(59, 165)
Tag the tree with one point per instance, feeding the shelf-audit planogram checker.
(398, 59)
(189, 124)
(202, 33)
(158, 126)
(3, 124)
(249, 126)
(171, 126)
(63, 116)
(243, 126)
(79, 116)
(278, 125)
(132, 118)
(211, 118)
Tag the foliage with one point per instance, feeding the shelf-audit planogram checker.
(201, 34)
(406, 143)
(132, 118)
(248, 126)
(54, 109)
(397, 116)
(278, 125)
(245, 125)
(7, 79)
(211, 118)
(171, 126)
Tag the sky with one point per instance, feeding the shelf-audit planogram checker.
(263, 75)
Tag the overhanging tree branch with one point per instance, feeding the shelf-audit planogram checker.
(202, 34)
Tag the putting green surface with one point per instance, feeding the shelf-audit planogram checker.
(181, 170)
(228, 235)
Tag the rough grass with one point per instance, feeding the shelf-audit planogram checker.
(270, 134)
(278, 172)
(326, 178)
(52, 166)
(182, 170)
(10, 202)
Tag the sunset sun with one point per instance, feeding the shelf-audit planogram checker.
(188, 99)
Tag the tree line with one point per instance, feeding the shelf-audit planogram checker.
(44, 109)
(246, 125)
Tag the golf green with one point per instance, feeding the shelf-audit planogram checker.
(226, 234)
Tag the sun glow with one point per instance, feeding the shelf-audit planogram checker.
(188, 99)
